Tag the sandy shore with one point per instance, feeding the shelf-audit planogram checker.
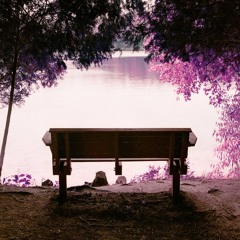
(222, 195)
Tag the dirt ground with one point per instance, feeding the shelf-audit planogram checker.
(207, 209)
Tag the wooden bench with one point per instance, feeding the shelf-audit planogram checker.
(118, 145)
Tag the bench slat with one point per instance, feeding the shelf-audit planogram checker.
(113, 159)
(125, 145)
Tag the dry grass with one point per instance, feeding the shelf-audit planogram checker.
(35, 213)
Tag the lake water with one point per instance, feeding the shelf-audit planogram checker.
(121, 93)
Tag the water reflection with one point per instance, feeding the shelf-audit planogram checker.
(134, 69)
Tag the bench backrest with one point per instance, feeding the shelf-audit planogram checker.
(120, 143)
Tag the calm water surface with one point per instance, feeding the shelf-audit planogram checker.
(121, 93)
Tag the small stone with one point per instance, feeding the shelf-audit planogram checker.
(47, 183)
(100, 180)
(87, 183)
(213, 190)
(121, 180)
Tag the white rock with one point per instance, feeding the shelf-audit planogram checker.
(121, 180)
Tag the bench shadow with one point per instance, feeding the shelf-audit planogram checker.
(138, 215)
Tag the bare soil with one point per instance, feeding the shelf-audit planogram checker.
(36, 214)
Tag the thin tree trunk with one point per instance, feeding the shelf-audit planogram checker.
(10, 105)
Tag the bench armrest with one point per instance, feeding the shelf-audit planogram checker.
(47, 138)
(192, 139)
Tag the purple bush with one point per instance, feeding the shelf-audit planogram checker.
(21, 180)
(153, 173)
(157, 173)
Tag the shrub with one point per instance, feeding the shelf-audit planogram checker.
(20, 179)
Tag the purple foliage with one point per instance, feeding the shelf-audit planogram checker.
(157, 173)
(22, 180)
(31, 74)
(38, 37)
(56, 184)
(221, 84)
(194, 46)
(153, 173)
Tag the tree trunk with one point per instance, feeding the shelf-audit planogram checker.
(10, 105)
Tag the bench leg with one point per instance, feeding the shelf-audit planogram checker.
(176, 184)
(62, 186)
(176, 179)
(118, 168)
